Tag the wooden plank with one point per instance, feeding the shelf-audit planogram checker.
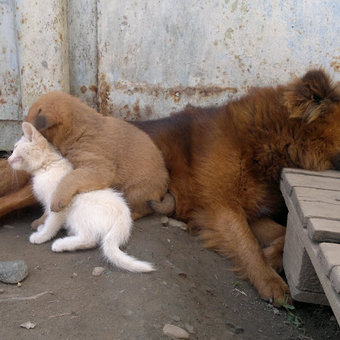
(329, 256)
(335, 278)
(317, 182)
(302, 279)
(316, 203)
(327, 173)
(323, 230)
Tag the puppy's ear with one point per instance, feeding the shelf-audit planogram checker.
(43, 121)
(311, 96)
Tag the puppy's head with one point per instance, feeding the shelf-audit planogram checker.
(312, 96)
(51, 115)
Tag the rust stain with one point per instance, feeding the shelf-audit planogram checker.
(175, 92)
(93, 88)
(83, 89)
(104, 106)
(336, 64)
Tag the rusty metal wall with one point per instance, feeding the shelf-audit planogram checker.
(141, 59)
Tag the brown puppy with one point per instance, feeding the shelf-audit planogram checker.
(225, 166)
(105, 152)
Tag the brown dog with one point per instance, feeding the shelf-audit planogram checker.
(225, 166)
(105, 152)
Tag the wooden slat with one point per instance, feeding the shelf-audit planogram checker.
(322, 230)
(335, 278)
(316, 203)
(317, 182)
(329, 256)
(328, 173)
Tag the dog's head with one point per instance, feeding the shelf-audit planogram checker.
(315, 100)
(312, 96)
(51, 115)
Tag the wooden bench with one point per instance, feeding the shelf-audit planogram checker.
(311, 256)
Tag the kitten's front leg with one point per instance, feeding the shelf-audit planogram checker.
(47, 231)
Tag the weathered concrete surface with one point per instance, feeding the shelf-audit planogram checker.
(145, 59)
(42, 48)
(192, 288)
(82, 31)
(10, 96)
(155, 57)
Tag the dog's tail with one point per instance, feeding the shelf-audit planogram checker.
(165, 207)
(122, 260)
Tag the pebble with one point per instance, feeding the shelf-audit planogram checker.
(97, 271)
(189, 328)
(175, 331)
(179, 224)
(173, 223)
(28, 325)
(13, 271)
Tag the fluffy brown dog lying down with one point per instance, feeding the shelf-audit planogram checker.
(225, 166)
(105, 152)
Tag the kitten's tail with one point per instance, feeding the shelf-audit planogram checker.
(121, 259)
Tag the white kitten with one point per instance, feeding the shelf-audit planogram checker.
(100, 216)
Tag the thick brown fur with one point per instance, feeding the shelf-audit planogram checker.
(105, 152)
(225, 166)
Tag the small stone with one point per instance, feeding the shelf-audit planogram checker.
(176, 318)
(74, 275)
(238, 330)
(179, 224)
(97, 271)
(2, 291)
(189, 328)
(7, 226)
(175, 331)
(164, 220)
(13, 271)
(28, 325)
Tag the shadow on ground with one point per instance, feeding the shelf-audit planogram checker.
(192, 289)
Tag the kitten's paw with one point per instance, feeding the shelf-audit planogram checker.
(40, 228)
(38, 238)
(57, 246)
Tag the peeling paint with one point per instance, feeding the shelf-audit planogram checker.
(148, 58)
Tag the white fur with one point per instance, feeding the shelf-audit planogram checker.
(92, 218)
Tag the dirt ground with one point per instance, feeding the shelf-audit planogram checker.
(192, 289)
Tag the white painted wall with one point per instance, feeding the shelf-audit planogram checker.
(141, 59)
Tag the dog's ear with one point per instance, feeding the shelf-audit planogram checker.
(311, 96)
(41, 120)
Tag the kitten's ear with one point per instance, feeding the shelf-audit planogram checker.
(30, 132)
(27, 129)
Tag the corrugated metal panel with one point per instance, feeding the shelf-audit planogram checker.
(157, 56)
(147, 58)
(10, 98)
(43, 47)
(82, 28)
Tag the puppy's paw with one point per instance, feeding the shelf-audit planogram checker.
(57, 246)
(39, 221)
(59, 203)
(38, 238)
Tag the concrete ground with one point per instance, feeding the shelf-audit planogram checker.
(192, 289)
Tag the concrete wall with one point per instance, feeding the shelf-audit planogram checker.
(141, 59)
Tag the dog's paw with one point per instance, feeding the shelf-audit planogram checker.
(38, 238)
(59, 204)
(57, 246)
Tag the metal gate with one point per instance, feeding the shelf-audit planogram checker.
(141, 59)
